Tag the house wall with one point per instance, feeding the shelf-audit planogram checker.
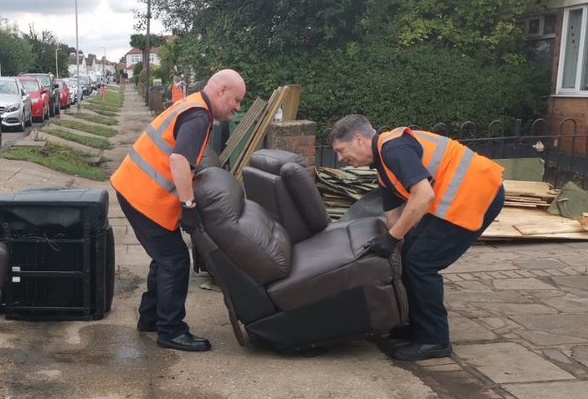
(552, 4)
(566, 116)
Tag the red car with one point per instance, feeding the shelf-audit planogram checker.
(38, 95)
(64, 90)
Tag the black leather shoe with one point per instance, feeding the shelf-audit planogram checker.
(146, 327)
(415, 351)
(185, 342)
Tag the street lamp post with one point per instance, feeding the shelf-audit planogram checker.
(78, 102)
(103, 62)
(148, 53)
(56, 65)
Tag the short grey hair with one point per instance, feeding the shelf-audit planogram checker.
(347, 127)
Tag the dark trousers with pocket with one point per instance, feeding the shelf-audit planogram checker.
(433, 245)
(163, 304)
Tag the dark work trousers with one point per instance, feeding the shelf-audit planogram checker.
(430, 247)
(163, 304)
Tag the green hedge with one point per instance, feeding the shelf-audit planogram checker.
(422, 85)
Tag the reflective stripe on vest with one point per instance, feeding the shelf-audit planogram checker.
(144, 177)
(451, 165)
(156, 135)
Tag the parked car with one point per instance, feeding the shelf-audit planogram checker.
(85, 84)
(15, 105)
(52, 88)
(72, 90)
(39, 97)
(64, 93)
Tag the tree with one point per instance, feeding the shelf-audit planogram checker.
(481, 28)
(16, 53)
(140, 41)
(398, 61)
(43, 46)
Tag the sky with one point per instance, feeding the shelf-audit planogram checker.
(104, 26)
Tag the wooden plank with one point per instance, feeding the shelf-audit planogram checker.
(530, 188)
(503, 226)
(242, 130)
(260, 131)
(520, 204)
(525, 199)
(290, 103)
(568, 226)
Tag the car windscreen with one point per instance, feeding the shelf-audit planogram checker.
(8, 87)
(31, 86)
(45, 79)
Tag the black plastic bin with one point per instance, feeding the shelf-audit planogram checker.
(61, 254)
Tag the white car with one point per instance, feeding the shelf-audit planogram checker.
(15, 105)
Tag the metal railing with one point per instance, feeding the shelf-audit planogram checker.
(564, 151)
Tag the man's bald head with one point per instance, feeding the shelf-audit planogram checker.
(225, 90)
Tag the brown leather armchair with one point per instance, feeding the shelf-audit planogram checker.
(302, 284)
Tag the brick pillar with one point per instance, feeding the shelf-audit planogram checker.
(298, 137)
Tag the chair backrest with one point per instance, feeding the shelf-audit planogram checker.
(243, 230)
(280, 182)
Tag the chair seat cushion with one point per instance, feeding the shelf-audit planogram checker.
(327, 265)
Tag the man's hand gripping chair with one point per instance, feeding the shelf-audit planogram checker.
(292, 279)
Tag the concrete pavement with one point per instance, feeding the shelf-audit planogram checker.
(518, 313)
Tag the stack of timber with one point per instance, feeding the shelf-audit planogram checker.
(341, 188)
(524, 215)
(250, 133)
(529, 194)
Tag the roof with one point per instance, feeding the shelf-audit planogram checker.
(135, 50)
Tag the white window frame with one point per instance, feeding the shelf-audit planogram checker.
(582, 55)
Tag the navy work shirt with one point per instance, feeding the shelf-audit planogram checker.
(403, 156)
(190, 132)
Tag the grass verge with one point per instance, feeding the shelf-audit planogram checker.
(113, 98)
(102, 112)
(104, 120)
(61, 158)
(94, 142)
(103, 131)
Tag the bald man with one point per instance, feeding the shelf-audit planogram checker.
(154, 188)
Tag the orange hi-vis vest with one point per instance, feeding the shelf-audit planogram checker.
(177, 93)
(464, 183)
(144, 177)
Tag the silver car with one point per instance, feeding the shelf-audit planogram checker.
(15, 105)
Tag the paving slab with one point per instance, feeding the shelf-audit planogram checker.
(512, 308)
(549, 390)
(532, 249)
(522, 284)
(580, 354)
(485, 296)
(573, 325)
(539, 264)
(568, 303)
(580, 282)
(472, 266)
(522, 365)
(466, 330)
(541, 338)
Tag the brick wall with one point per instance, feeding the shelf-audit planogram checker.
(298, 137)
